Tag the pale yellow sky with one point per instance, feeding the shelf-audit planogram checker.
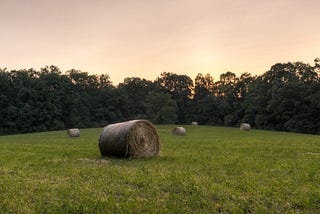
(126, 38)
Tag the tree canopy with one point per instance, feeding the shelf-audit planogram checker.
(285, 98)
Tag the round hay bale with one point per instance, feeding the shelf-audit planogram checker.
(245, 127)
(73, 132)
(180, 131)
(134, 139)
(194, 123)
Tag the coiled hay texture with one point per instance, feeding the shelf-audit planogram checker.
(73, 132)
(180, 131)
(134, 139)
(194, 123)
(245, 127)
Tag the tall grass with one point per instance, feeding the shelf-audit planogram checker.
(210, 170)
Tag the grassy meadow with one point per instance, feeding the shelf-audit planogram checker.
(210, 170)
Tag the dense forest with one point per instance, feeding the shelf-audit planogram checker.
(285, 98)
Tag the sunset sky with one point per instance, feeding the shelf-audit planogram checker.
(126, 38)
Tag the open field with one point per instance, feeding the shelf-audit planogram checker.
(210, 170)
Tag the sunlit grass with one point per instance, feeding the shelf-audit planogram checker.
(211, 169)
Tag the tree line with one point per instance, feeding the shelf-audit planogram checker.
(285, 98)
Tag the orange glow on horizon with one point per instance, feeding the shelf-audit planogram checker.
(145, 38)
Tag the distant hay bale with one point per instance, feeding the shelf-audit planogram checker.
(73, 132)
(134, 139)
(245, 127)
(179, 131)
(194, 123)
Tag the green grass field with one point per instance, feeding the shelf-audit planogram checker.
(210, 170)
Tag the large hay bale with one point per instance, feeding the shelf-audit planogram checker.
(179, 131)
(245, 127)
(194, 123)
(73, 132)
(135, 139)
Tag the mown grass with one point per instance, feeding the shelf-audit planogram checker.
(210, 170)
